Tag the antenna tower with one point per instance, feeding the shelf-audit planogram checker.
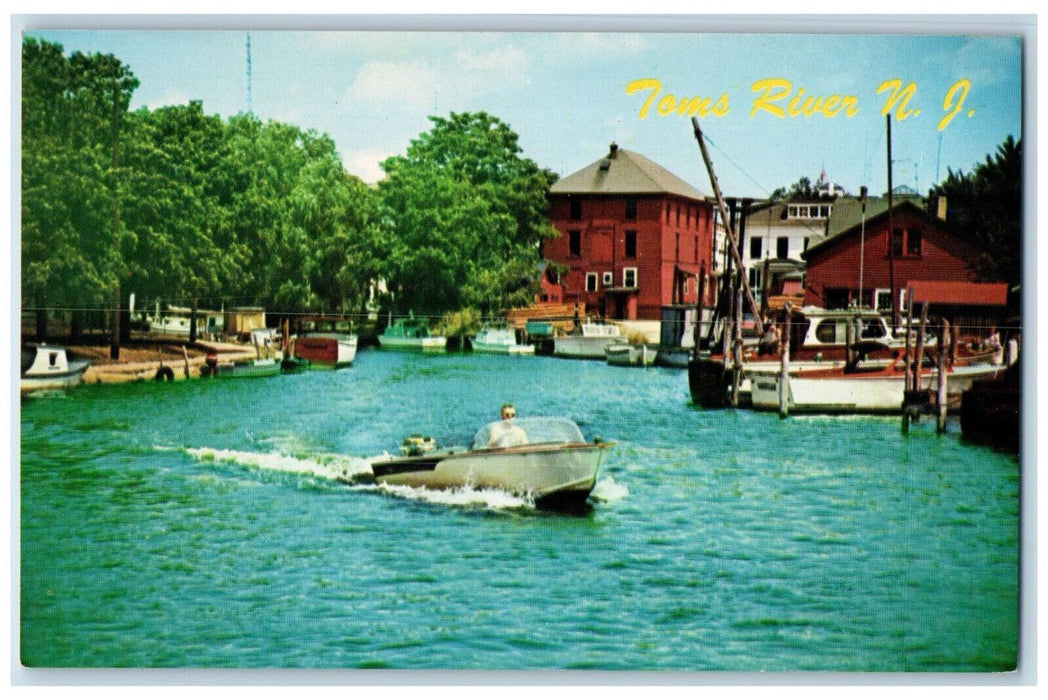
(250, 108)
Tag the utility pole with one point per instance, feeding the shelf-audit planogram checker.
(891, 232)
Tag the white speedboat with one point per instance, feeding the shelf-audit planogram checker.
(549, 460)
(589, 343)
(500, 339)
(627, 355)
(49, 367)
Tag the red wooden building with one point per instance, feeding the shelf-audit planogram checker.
(634, 237)
(855, 266)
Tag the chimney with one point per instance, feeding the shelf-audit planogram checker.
(614, 149)
(940, 207)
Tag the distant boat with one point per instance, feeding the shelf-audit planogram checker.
(500, 338)
(627, 355)
(49, 367)
(327, 342)
(240, 369)
(589, 343)
(411, 334)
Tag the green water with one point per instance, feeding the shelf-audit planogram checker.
(233, 525)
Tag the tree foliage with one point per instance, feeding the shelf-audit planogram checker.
(467, 214)
(985, 206)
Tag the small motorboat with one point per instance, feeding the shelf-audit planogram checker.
(500, 339)
(49, 367)
(630, 355)
(547, 459)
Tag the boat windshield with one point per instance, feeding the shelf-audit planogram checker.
(535, 430)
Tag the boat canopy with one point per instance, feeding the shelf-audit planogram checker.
(537, 429)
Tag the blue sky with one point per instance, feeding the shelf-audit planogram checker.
(565, 92)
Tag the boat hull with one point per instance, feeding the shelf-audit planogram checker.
(327, 351)
(554, 474)
(581, 347)
(623, 355)
(502, 348)
(875, 392)
(256, 368)
(433, 343)
(47, 368)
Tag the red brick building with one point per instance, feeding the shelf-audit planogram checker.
(634, 237)
(853, 266)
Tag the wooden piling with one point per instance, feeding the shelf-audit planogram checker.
(907, 358)
(736, 376)
(941, 422)
(784, 368)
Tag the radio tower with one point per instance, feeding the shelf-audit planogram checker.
(250, 108)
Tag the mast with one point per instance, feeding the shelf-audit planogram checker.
(891, 232)
(733, 245)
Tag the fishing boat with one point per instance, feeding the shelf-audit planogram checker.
(411, 334)
(501, 339)
(629, 355)
(589, 342)
(855, 388)
(546, 459)
(327, 342)
(49, 367)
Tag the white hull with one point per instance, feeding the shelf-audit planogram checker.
(433, 343)
(502, 349)
(873, 393)
(50, 368)
(581, 346)
(624, 355)
(544, 472)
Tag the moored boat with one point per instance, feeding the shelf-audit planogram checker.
(327, 342)
(262, 367)
(49, 367)
(501, 339)
(589, 342)
(549, 461)
(877, 389)
(411, 334)
(630, 355)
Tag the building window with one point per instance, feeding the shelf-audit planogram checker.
(883, 299)
(676, 250)
(629, 277)
(591, 281)
(754, 275)
(896, 243)
(575, 243)
(755, 248)
(631, 209)
(607, 278)
(782, 247)
(696, 249)
(913, 243)
(576, 208)
(631, 244)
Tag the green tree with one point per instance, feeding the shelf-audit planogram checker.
(986, 207)
(71, 113)
(467, 213)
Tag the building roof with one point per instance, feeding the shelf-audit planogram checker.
(960, 293)
(847, 217)
(625, 172)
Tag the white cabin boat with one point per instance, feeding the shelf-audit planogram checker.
(49, 367)
(326, 342)
(589, 343)
(501, 339)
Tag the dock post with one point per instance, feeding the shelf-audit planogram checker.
(940, 425)
(907, 359)
(736, 376)
(784, 368)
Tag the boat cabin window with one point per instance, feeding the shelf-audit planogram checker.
(826, 331)
(873, 328)
(52, 358)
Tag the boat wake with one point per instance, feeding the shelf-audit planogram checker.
(356, 473)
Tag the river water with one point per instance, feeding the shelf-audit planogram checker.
(232, 524)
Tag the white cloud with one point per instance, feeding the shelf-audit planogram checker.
(401, 83)
(365, 164)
